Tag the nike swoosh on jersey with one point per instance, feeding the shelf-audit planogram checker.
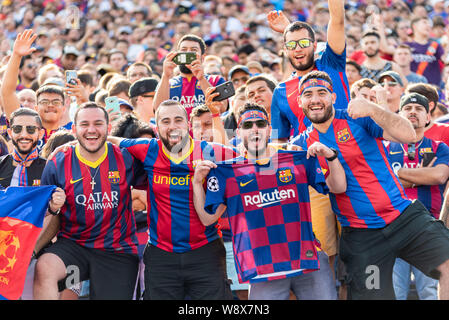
(75, 181)
(242, 184)
(173, 87)
(395, 152)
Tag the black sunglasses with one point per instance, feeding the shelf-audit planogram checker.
(18, 129)
(259, 123)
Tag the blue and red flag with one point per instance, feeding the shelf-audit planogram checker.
(22, 214)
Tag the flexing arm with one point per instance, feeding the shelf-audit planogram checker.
(199, 196)
(396, 128)
(336, 27)
(22, 47)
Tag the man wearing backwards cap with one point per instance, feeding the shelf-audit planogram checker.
(423, 169)
(376, 216)
(141, 94)
(269, 263)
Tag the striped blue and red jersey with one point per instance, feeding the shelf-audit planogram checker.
(287, 117)
(97, 215)
(268, 207)
(187, 90)
(374, 196)
(174, 225)
(431, 196)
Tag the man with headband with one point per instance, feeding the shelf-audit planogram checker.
(265, 194)
(379, 223)
(423, 169)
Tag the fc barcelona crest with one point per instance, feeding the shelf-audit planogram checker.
(114, 176)
(343, 135)
(285, 175)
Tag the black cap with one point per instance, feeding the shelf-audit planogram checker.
(142, 86)
(414, 97)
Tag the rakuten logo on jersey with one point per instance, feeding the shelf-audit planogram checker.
(268, 198)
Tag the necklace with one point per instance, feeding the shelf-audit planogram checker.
(92, 181)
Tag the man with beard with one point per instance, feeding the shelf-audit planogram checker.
(265, 193)
(97, 239)
(183, 258)
(50, 99)
(23, 167)
(28, 72)
(379, 223)
(424, 179)
(189, 87)
(300, 44)
(374, 65)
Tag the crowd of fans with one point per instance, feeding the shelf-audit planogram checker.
(125, 49)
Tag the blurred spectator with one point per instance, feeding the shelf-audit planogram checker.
(68, 59)
(426, 53)
(239, 74)
(394, 85)
(138, 70)
(374, 64)
(141, 95)
(353, 72)
(117, 59)
(403, 58)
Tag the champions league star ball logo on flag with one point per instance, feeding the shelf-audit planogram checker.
(22, 213)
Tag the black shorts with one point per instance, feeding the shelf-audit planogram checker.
(199, 274)
(369, 254)
(112, 276)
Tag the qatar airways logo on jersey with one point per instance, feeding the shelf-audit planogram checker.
(268, 198)
(98, 200)
(190, 101)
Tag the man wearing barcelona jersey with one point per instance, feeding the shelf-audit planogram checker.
(265, 193)
(183, 257)
(299, 46)
(379, 223)
(189, 87)
(423, 169)
(97, 238)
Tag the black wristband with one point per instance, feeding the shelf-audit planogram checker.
(54, 213)
(334, 156)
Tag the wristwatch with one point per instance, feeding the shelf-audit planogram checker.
(55, 213)
(334, 156)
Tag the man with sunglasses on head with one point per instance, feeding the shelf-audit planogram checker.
(300, 44)
(379, 222)
(265, 193)
(423, 169)
(392, 82)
